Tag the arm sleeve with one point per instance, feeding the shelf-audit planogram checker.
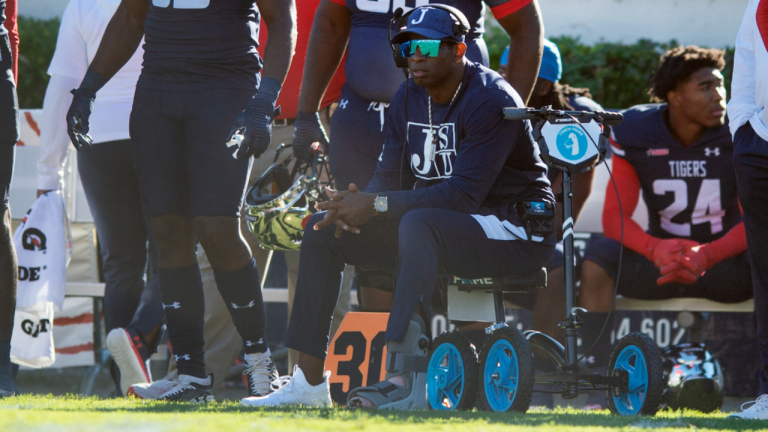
(628, 185)
(71, 56)
(481, 153)
(54, 141)
(729, 245)
(743, 103)
(13, 34)
(500, 9)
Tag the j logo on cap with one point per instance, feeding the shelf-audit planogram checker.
(421, 18)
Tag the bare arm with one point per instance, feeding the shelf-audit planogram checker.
(121, 38)
(280, 18)
(327, 42)
(526, 33)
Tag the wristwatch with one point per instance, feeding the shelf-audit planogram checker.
(380, 204)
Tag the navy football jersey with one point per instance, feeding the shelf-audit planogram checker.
(481, 163)
(690, 191)
(370, 69)
(201, 44)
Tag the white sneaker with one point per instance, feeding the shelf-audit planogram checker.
(758, 410)
(126, 349)
(190, 389)
(261, 372)
(150, 390)
(296, 391)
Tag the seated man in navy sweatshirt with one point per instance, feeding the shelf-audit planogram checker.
(449, 209)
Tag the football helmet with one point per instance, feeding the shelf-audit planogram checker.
(277, 208)
(693, 378)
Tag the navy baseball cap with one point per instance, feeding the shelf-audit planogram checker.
(430, 23)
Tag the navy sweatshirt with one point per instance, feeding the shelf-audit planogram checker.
(482, 164)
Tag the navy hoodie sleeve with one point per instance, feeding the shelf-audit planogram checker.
(483, 148)
(387, 177)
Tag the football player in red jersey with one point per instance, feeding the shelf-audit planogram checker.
(679, 154)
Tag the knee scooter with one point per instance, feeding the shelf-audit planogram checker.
(504, 379)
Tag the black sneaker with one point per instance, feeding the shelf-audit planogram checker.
(190, 389)
(262, 374)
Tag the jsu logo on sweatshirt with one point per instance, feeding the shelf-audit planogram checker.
(432, 160)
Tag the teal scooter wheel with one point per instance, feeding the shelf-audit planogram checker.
(506, 371)
(637, 355)
(452, 373)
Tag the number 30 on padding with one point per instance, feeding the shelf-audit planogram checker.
(356, 356)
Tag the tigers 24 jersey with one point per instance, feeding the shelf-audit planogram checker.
(690, 191)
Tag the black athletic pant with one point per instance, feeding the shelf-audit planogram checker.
(750, 159)
(413, 249)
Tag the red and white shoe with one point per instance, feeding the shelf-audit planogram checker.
(130, 355)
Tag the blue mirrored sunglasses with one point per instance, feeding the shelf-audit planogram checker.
(427, 47)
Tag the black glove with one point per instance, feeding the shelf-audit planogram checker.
(81, 108)
(252, 131)
(307, 130)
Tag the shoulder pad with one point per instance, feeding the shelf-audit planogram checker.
(643, 126)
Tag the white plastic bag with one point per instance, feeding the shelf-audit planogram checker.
(32, 340)
(44, 246)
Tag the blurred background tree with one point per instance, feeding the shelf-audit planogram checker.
(616, 74)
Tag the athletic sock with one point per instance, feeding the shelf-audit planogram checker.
(599, 356)
(6, 373)
(184, 307)
(241, 292)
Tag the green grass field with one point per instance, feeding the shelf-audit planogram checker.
(72, 413)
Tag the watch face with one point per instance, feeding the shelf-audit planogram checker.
(380, 204)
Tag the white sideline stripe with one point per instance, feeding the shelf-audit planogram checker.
(91, 289)
(498, 230)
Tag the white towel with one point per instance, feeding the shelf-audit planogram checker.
(32, 340)
(44, 246)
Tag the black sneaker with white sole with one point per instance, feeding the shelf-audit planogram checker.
(190, 389)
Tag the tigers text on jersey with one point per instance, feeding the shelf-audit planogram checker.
(201, 44)
(690, 191)
(370, 71)
(481, 164)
